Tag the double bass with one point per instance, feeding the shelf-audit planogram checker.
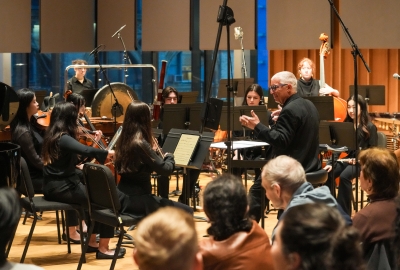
(339, 104)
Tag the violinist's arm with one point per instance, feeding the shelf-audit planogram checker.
(68, 143)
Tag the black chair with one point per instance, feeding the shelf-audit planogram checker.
(317, 178)
(102, 194)
(35, 204)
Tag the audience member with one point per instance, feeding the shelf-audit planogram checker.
(315, 236)
(236, 241)
(10, 212)
(379, 178)
(167, 239)
(286, 186)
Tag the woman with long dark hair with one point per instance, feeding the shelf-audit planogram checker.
(25, 134)
(61, 180)
(346, 169)
(136, 160)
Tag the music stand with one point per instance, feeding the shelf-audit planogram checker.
(241, 86)
(89, 94)
(181, 116)
(373, 94)
(188, 97)
(197, 154)
(272, 104)
(324, 105)
(261, 111)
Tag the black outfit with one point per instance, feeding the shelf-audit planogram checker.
(295, 134)
(30, 140)
(308, 89)
(135, 186)
(62, 181)
(77, 87)
(347, 171)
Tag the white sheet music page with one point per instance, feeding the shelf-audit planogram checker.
(185, 148)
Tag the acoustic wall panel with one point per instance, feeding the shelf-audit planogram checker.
(66, 26)
(245, 16)
(296, 25)
(372, 24)
(166, 25)
(111, 16)
(15, 25)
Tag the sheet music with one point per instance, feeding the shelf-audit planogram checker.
(185, 148)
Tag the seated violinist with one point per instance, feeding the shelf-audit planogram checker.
(61, 180)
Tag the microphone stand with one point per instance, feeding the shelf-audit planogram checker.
(116, 104)
(126, 56)
(244, 70)
(225, 18)
(355, 52)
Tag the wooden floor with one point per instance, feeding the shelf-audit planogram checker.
(47, 253)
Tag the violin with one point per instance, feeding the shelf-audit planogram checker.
(42, 119)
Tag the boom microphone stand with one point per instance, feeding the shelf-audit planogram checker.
(355, 52)
(126, 56)
(225, 18)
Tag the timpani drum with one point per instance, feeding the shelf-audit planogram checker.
(102, 104)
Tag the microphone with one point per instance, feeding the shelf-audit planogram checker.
(396, 76)
(119, 30)
(95, 50)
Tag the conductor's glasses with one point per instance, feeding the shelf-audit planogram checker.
(275, 87)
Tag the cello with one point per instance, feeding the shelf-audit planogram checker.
(339, 104)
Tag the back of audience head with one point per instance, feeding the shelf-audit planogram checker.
(10, 212)
(282, 174)
(167, 239)
(315, 236)
(396, 239)
(379, 173)
(226, 206)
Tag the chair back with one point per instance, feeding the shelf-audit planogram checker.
(317, 178)
(26, 186)
(382, 142)
(101, 188)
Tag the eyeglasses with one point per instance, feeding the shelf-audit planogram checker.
(275, 87)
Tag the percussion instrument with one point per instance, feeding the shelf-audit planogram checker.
(103, 101)
(9, 103)
(10, 155)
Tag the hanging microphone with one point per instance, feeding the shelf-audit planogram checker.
(396, 76)
(96, 49)
(119, 30)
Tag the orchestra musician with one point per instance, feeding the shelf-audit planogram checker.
(253, 97)
(367, 137)
(61, 179)
(28, 137)
(135, 161)
(307, 85)
(79, 82)
(170, 96)
(295, 133)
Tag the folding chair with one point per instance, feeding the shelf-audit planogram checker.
(102, 194)
(36, 204)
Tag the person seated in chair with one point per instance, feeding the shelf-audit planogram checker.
(167, 239)
(28, 136)
(315, 236)
(79, 82)
(236, 241)
(379, 178)
(284, 181)
(10, 212)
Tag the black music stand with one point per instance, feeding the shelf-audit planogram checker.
(241, 86)
(188, 97)
(324, 105)
(261, 111)
(181, 116)
(198, 154)
(89, 94)
(342, 138)
(373, 94)
(272, 104)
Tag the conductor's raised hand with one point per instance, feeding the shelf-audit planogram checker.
(249, 122)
